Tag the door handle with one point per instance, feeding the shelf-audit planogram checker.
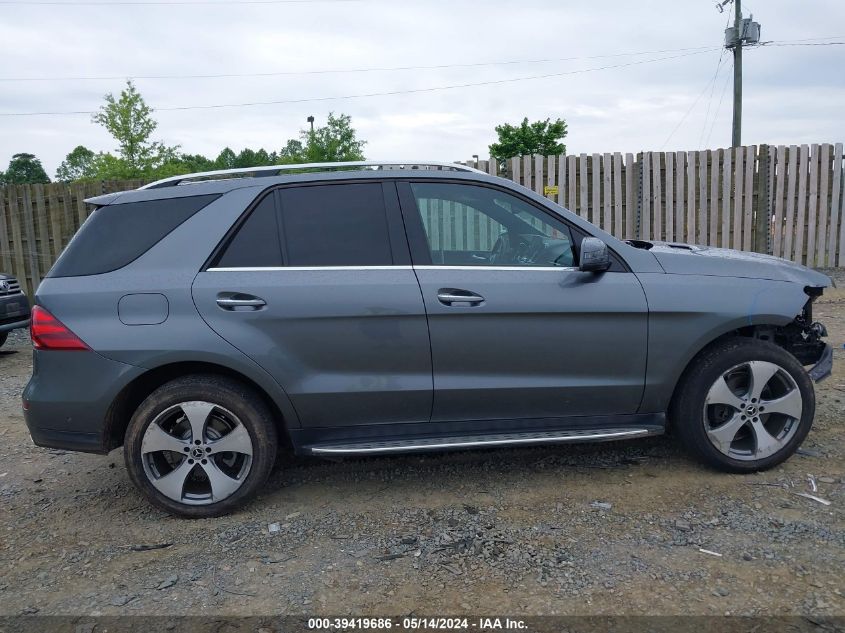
(235, 301)
(449, 296)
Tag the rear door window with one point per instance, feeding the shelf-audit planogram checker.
(335, 225)
(313, 226)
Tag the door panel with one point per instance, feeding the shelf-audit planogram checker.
(535, 337)
(348, 346)
(315, 285)
(544, 343)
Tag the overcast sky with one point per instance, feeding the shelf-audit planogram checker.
(793, 94)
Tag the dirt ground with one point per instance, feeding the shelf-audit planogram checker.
(602, 529)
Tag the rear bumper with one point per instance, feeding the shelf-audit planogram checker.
(67, 440)
(824, 366)
(67, 400)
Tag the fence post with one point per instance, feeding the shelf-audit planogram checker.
(5, 248)
(762, 211)
(638, 167)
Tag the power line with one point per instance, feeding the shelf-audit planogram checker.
(361, 70)
(692, 106)
(718, 108)
(375, 94)
(162, 2)
(778, 44)
(710, 99)
(811, 39)
(329, 71)
(713, 86)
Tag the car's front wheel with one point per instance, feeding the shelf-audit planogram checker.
(745, 405)
(201, 445)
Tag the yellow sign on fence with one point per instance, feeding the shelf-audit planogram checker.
(551, 190)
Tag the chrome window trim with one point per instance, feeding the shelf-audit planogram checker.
(499, 268)
(255, 269)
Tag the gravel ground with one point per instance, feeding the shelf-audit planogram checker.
(601, 529)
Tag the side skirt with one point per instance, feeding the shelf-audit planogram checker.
(476, 434)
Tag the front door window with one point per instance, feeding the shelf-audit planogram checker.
(470, 225)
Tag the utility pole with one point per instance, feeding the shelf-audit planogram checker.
(736, 138)
(744, 31)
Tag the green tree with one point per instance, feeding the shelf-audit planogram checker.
(109, 167)
(292, 152)
(24, 169)
(225, 159)
(540, 137)
(80, 164)
(255, 158)
(129, 120)
(335, 141)
(183, 164)
(246, 158)
(196, 162)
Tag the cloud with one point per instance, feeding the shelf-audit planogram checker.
(791, 94)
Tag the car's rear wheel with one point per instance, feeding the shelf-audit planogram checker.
(200, 445)
(745, 405)
(3, 337)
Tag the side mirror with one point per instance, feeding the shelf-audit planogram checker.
(594, 257)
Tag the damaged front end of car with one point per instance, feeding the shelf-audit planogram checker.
(803, 338)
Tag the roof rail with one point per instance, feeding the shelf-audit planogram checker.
(276, 170)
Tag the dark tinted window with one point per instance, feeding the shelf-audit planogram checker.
(257, 241)
(335, 225)
(118, 234)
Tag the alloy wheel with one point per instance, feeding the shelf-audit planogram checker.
(196, 453)
(752, 410)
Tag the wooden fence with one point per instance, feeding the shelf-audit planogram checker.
(782, 200)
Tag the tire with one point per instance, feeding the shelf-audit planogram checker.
(727, 420)
(3, 337)
(182, 431)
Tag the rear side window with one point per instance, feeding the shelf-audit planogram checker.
(320, 225)
(335, 225)
(118, 234)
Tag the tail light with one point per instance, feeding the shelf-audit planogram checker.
(48, 333)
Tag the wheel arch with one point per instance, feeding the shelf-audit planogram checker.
(777, 333)
(133, 394)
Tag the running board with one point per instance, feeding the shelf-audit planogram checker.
(478, 441)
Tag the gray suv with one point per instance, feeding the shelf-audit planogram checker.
(369, 309)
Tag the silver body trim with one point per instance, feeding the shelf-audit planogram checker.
(241, 302)
(544, 269)
(255, 269)
(377, 164)
(565, 436)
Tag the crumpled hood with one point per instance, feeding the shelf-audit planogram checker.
(691, 259)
